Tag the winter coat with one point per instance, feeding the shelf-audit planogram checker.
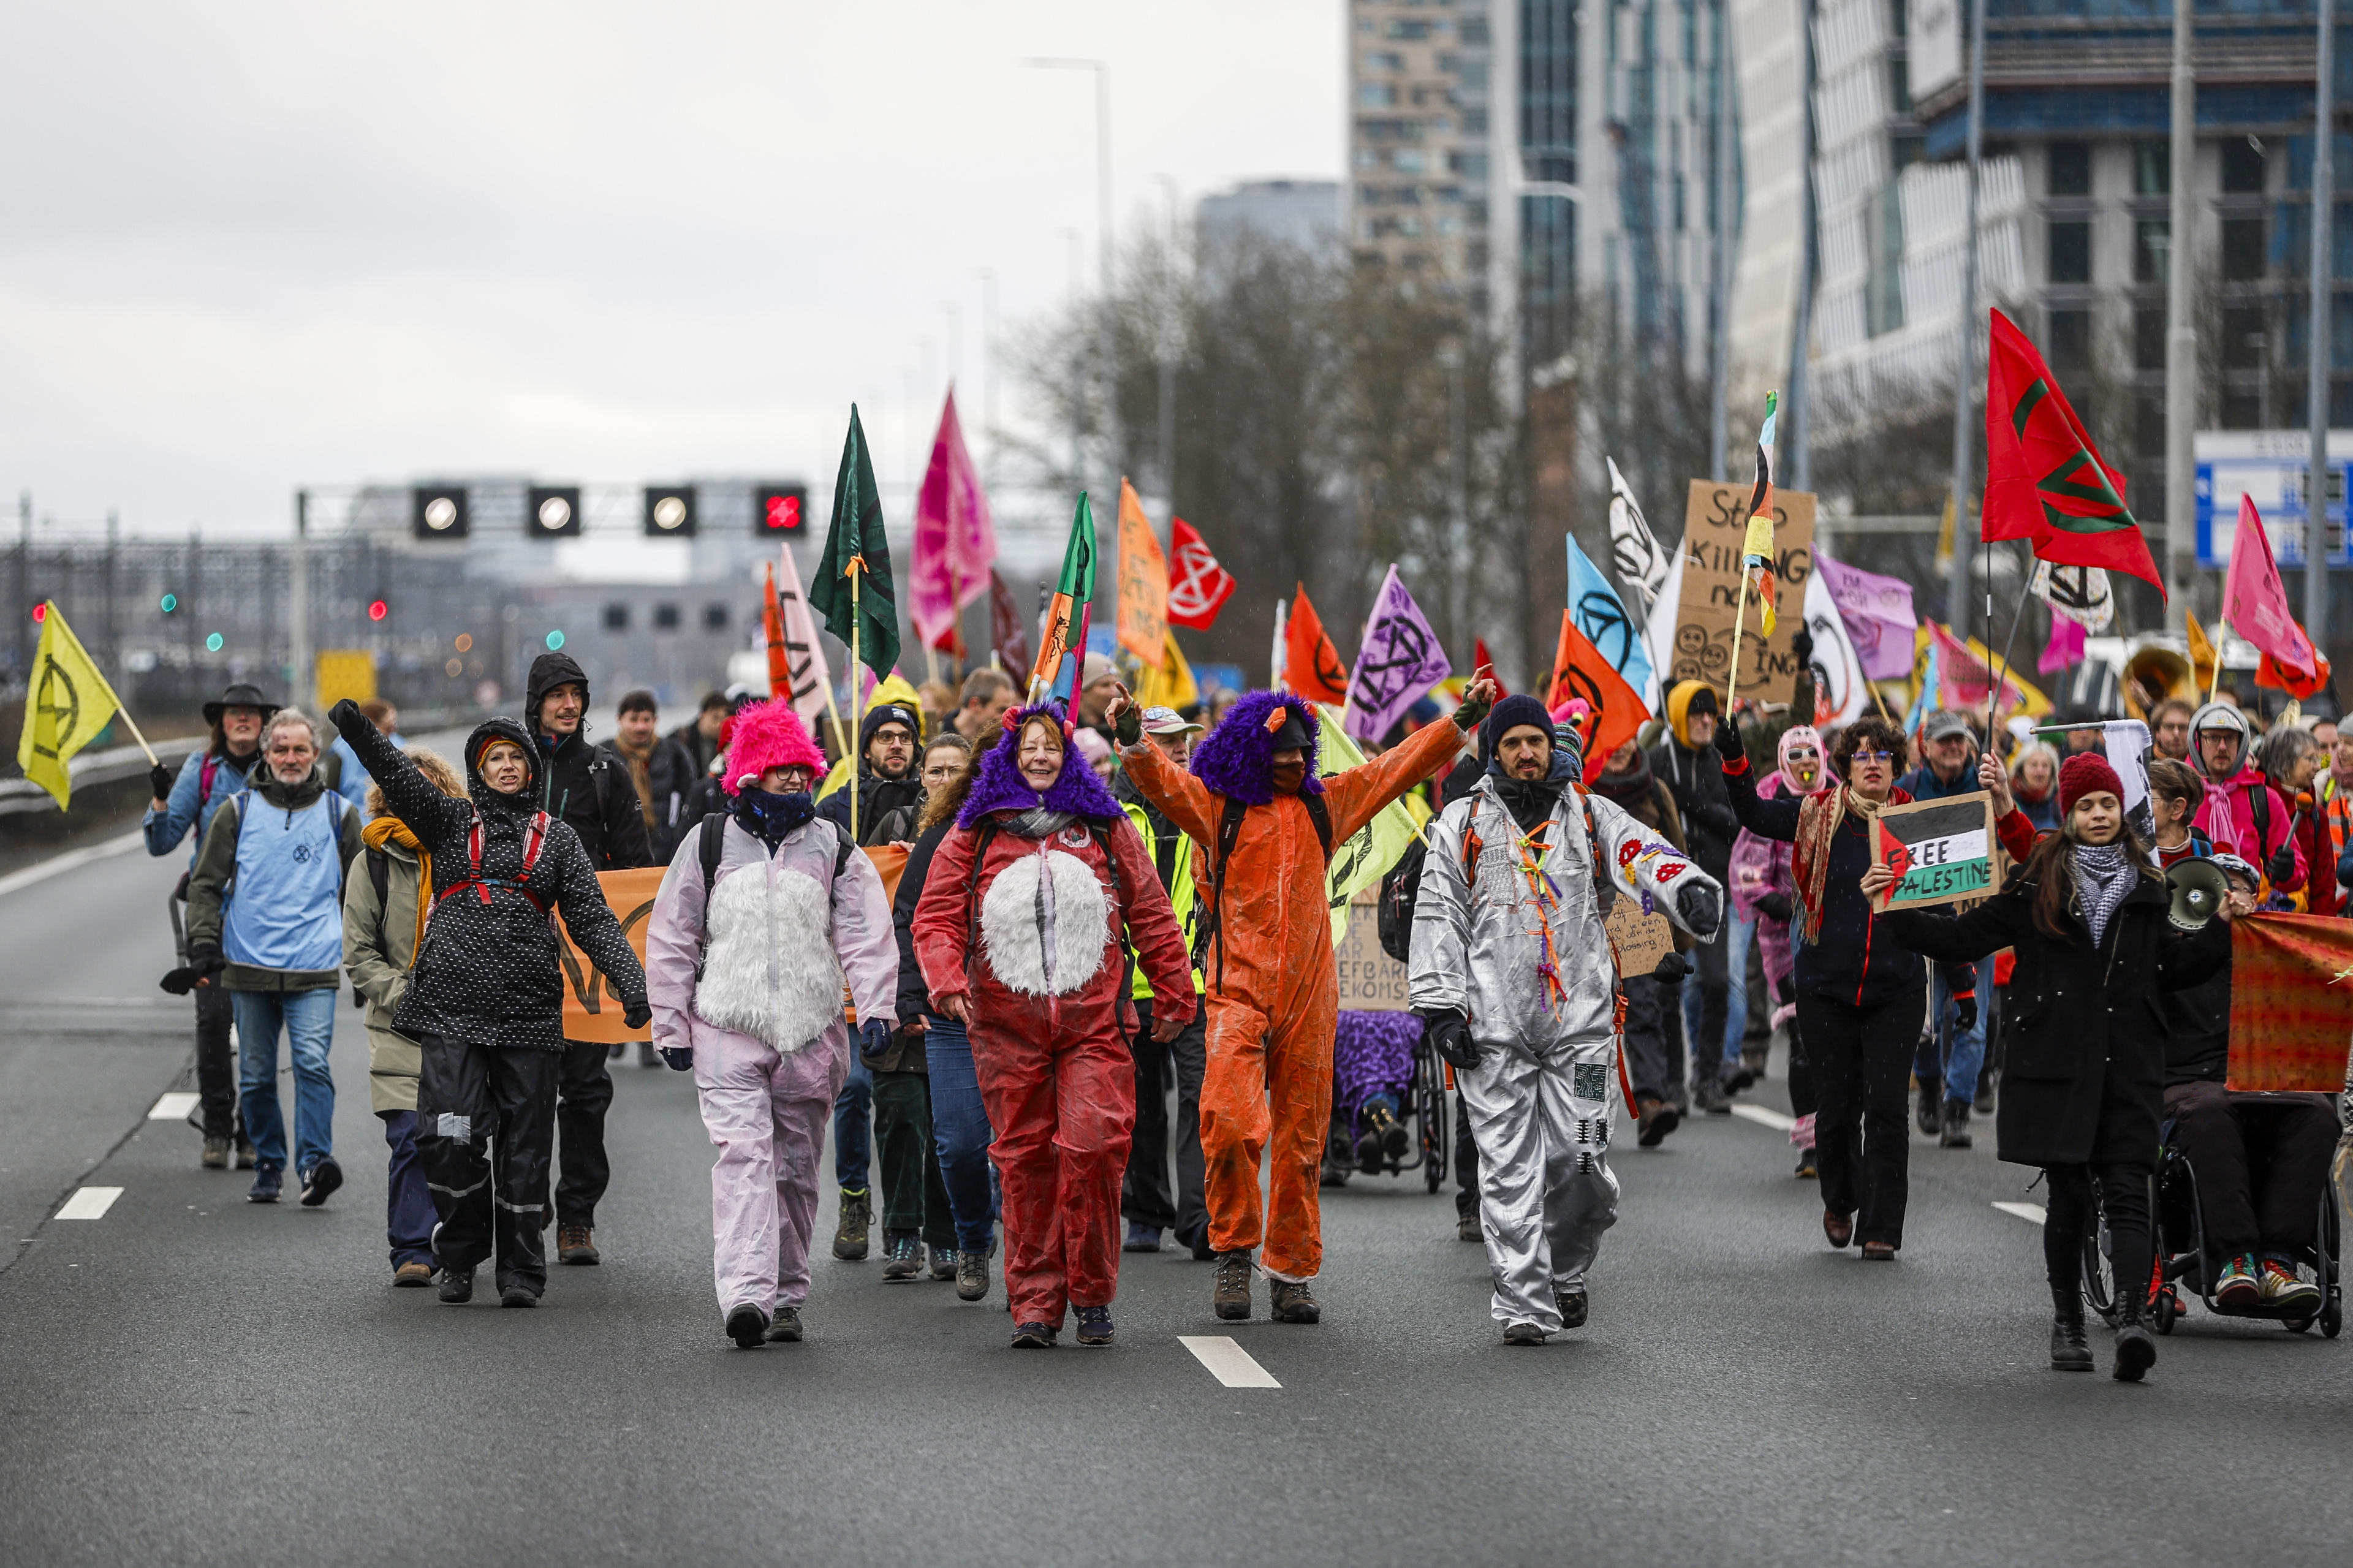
(2082, 1073)
(267, 890)
(1477, 947)
(379, 945)
(668, 778)
(190, 805)
(887, 808)
(2196, 1019)
(491, 971)
(1694, 778)
(764, 954)
(907, 1054)
(2230, 817)
(577, 783)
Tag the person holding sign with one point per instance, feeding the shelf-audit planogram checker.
(2082, 1081)
(1512, 972)
(485, 1001)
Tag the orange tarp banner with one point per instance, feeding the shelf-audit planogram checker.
(2291, 1003)
(591, 1011)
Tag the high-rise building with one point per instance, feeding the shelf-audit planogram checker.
(1418, 138)
(1301, 214)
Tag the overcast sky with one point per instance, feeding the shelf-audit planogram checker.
(248, 247)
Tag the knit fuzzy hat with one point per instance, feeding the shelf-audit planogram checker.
(766, 735)
(1238, 759)
(2086, 773)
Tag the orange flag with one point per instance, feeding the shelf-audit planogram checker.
(1142, 582)
(780, 662)
(1579, 670)
(1310, 663)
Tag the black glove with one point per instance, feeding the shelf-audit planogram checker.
(159, 779)
(678, 1058)
(1702, 908)
(1450, 1037)
(1965, 1014)
(637, 1014)
(1467, 717)
(2282, 865)
(1776, 905)
(1727, 740)
(205, 960)
(346, 715)
(1129, 725)
(873, 1040)
(1802, 644)
(1672, 969)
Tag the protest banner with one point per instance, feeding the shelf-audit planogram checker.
(591, 1011)
(1370, 980)
(1715, 526)
(1942, 851)
(2291, 1004)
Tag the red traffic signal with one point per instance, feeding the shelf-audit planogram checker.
(779, 509)
(377, 609)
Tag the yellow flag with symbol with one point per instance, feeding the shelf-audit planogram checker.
(1365, 856)
(1170, 686)
(68, 702)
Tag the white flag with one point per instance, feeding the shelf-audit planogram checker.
(2080, 593)
(1633, 548)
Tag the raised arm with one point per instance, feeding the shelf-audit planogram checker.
(408, 794)
(1182, 799)
(1775, 818)
(1649, 867)
(1357, 795)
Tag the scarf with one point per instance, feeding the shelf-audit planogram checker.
(1037, 822)
(1819, 816)
(769, 818)
(376, 835)
(2104, 875)
(641, 778)
(1530, 801)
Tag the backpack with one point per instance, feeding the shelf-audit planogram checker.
(707, 852)
(1400, 885)
(1208, 930)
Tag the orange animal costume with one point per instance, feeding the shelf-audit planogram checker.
(1272, 992)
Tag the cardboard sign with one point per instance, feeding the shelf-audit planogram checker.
(1639, 939)
(1942, 852)
(591, 1011)
(1370, 980)
(1716, 521)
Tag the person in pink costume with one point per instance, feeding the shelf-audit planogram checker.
(747, 953)
(1764, 892)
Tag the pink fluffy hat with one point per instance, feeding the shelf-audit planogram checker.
(766, 735)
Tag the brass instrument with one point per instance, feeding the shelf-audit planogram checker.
(2155, 674)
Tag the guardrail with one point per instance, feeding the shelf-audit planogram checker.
(110, 766)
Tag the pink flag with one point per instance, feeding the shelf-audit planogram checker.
(954, 540)
(2066, 647)
(2254, 602)
(1877, 614)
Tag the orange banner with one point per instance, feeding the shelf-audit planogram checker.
(591, 1011)
(1142, 582)
(2291, 1003)
(1581, 670)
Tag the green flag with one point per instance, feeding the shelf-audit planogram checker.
(856, 534)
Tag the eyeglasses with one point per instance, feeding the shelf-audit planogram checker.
(1881, 758)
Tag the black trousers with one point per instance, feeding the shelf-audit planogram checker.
(914, 1198)
(2261, 1162)
(584, 1093)
(2122, 1194)
(1803, 1097)
(1646, 1041)
(1146, 1197)
(1712, 960)
(1861, 1061)
(215, 1061)
(485, 1127)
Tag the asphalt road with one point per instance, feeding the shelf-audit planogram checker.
(190, 1379)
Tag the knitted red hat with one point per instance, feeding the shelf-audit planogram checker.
(2086, 773)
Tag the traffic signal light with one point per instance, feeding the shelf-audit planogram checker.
(171, 602)
(378, 609)
(438, 511)
(554, 512)
(669, 511)
(779, 509)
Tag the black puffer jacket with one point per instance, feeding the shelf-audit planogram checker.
(1695, 778)
(488, 971)
(579, 783)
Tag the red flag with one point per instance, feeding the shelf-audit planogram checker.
(1197, 587)
(772, 622)
(1579, 670)
(1310, 663)
(2291, 1008)
(2044, 481)
(2255, 604)
(1482, 665)
(1007, 631)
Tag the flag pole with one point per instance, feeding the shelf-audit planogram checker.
(1993, 692)
(853, 566)
(2222, 635)
(1732, 678)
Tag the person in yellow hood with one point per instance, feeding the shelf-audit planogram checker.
(1680, 762)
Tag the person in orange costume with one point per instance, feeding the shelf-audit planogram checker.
(1272, 992)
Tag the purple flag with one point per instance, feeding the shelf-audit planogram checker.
(1877, 614)
(1399, 660)
(954, 540)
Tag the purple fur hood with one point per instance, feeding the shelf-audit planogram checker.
(1238, 759)
(1001, 788)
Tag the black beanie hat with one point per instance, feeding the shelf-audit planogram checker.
(1510, 714)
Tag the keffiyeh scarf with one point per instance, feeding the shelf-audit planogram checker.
(2104, 875)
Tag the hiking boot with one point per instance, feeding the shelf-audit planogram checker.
(1034, 1336)
(1385, 1144)
(216, 1154)
(1231, 1295)
(2136, 1347)
(1709, 1099)
(2068, 1351)
(244, 1154)
(1141, 1237)
(267, 1182)
(786, 1327)
(1572, 1305)
(1094, 1325)
(1292, 1302)
(2284, 1289)
(517, 1296)
(748, 1326)
(971, 1276)
(413, 1275)
(1466, 1228)
(1653, 1119)
(1956, 1134)
(944, 1262)
(1523, 1334)
(457, 1286)
(2238, 1286)
(905, 1256)
(857, 1219)
(576, 1243)
(1927, 1105)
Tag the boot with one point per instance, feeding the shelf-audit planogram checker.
(1707, 1096)
(2068, 1351)
(215, 1155)
(857, 1219)
(577, 1244)
(1292, 1302)
(1653, 1119)
(2136, 1346)
(1956, 1134)
(1231, 1295)
(1929, 1098)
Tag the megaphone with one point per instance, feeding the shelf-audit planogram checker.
(2198, 888)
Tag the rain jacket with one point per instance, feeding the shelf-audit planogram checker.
(2231, 817)
(379, 946)
(579, 783)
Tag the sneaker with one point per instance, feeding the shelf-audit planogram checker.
(857, 1219)
(1293, 1302)
(320, 1181)
(905, 1257)
(1955, 1132)
(457, 1286)
(2283, 1287)
(785, 1330)
(517, 1296)
(413, 1275)
(944, 1262)
(1523, 1334)
(971, 1276)
(2237, 1286)
(1141, 1237)
(1231, 1295)
(1094, 1325)
(1809, 1166)
(215, 1155)
(748, 1326)
(244, 1155)
(1572, 1305)
(576, 1243)
(1034, 1336)
(267, 1183)
(1466, 1228)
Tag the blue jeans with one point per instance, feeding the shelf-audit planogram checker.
(1959, 1058)
(408, 1212)
(853, 1125)
(961, 1132)
(309, 1019)
(1742, 936)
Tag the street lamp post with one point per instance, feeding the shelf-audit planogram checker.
(2318, 328)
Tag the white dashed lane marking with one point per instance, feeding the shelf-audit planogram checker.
(1227, 1362)
(2031, 1213)
(1765, 1118)
(173, 1107)
(90, 1203)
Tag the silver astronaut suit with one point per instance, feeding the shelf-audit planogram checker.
(1543, 1093)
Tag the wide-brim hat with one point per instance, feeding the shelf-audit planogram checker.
(240, 694)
